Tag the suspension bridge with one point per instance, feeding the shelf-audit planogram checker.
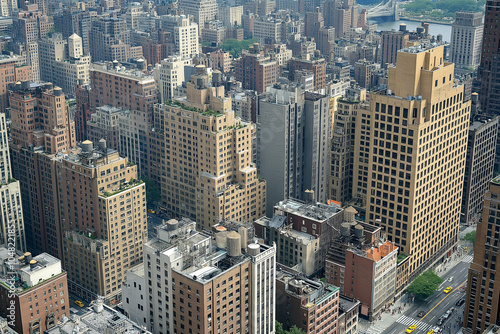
(385, 9)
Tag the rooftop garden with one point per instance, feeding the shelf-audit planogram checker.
(123, 187)
(401, 257)
(208, 112)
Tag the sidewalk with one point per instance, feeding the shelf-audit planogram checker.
(399, 307)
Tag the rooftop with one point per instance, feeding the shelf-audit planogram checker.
(98, 320)
(314, 211)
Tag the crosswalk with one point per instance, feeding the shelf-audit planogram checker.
(467, 259)
(407, 321)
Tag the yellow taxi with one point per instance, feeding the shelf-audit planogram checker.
(448, 289)
(411, 328)
(151, 211)
(79, 303)
(430, 332)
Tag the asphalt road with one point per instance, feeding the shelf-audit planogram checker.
(154, 221)
(435, 306)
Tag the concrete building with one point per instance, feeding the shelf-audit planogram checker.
(30, 25)
(103, 124)
(133, 131)
(420, 109)
(32, 148)
(268, 29)
(302, 233)
(12, 69)
(103, 233)
(134, 10)
(364, 72)
(36, 290)
(110, 39)
(362, 264)
(478, 167)
(466, 39)
(184, 32)
(391, 43)
(202, 10)
(8, 7)
(343, 145)
(317, 66)
(12, 230)
(213, 188)
(63, 63)
(231, 15)
(96, 320)
(482, 283)
(83, 111)
(135, 296)
(198, 286)
(75, 20)
(294, 143)
(169, 75)
(348, 315)
(255, 70)
(122, 88)
(490, 61)
(312, 306)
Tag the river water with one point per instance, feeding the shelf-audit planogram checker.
(434, 28)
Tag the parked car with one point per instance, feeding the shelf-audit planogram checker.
(460, 302)
(440, 321)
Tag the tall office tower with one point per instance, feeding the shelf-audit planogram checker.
(343, 143)
(294, 143)
(134, 10)
(490, 60)
(103, 222)
(122, 88)
(418, 144)
(32, 146)
(364, 73)
(202, 10)
(184, 33)
(310, 305)
(481, 304)
(338, 17)
(313, 23)
(466, 39)
(12, 69)
(12, 222)
(109, 39)
(317, 66)
(50, 49)
(133, 130)
(39, 294)
(362, 264)
(83, 111)
(169, 75)
(75, 20)
(392, 42)
(103, 124)
(478, 166)
(29, 26)
(255, 70)
(223, 289)
(197, 183)
(270, 29)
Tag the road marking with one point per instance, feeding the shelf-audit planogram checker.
(407, 321)
(447, 295)
(467, 259)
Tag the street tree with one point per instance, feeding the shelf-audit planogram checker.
(425, 285)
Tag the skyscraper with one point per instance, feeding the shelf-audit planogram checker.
(490, 60)
(184, 33)
(483, 286)
(255, 70)
(202, 10)
(109, 39)
(417, 150)
(196, 181)
(392, 42)
(466, 39)
(11, 215)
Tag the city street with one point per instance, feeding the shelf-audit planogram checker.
(454, 272)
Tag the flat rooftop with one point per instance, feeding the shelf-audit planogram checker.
(314, 211)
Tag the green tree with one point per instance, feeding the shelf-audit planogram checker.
(279, 328)
(470, 237)
(153, 193)
(293, 330)
(234, 47)
(425, 285)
